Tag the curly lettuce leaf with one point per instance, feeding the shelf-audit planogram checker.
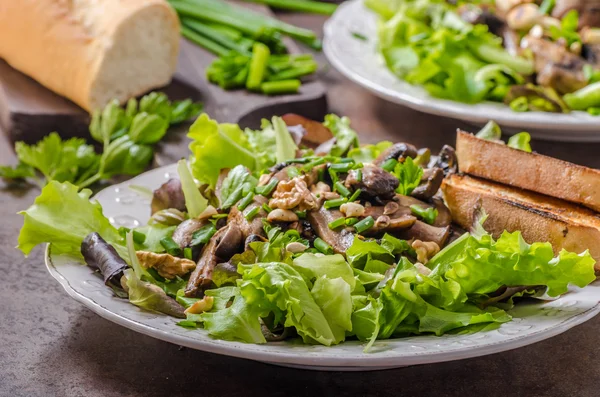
(63, 216)
(481, 265)
(231, 317)
(279, 289)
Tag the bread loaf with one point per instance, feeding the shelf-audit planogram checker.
(91, 51)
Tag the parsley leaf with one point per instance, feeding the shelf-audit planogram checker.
(409, 174)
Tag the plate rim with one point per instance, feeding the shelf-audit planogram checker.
(367, 361)
(576, 121)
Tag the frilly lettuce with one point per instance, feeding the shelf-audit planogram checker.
(64, 216)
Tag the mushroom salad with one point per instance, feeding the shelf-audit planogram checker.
(541, 55)
(296, 231)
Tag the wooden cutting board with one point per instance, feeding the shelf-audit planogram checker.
(29, 111)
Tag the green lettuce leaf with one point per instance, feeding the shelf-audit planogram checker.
(231, 318)
(345, 137)
(368, 153)
(285, 146)
(313, 266)
(63, 216)
(216, 146)
(150, 297)
(333, 297)
(194, 201)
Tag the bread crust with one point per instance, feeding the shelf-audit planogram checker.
(531, 171)
(62, 44)
(539, 218)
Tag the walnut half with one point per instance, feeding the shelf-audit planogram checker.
(166, 265)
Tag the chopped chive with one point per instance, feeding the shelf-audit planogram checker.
(246, 201)
(359, 175)
(258, 66)
(320, 173)
(138, 237)
(301, 214)
(341, 189)
(266, 208)
(187, 253)
(299, 161)
(333, 175)
(429, 214)
(389, 164)
(346, 160)
(334, 203)
(309, 166)
(323, 246)
(341, 167)
(252, 213)
(280, 87)
(268, 188)
(355, 195)
(337, 223)
(365, 224)
(351, 221)
(219, 216)
(292, 172)
(170, 246)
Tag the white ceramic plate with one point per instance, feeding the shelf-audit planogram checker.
(360, 62)
(532, 321)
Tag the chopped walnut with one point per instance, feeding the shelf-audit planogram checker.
(293, 193)
(425, 250)
(166, 265)
(201, 306)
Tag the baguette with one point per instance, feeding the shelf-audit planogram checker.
(531, 171)
(91, 51)
(539, 218)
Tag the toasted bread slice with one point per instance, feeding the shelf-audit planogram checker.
(539, 218)
(531, 171)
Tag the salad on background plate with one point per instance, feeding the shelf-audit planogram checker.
(297, 232)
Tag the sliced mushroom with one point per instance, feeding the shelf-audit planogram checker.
(589, 11)
(339, 240)
(168, 195)
(375, 182)
(430, 184)
(389, 224)
(255, 226)
(481, 16)
(447, 160)
(591, 52)
(424, 232)
(231, 243)
(555, 65)
(201, 278)
(184, 233)
(316, 133)
(398, 151)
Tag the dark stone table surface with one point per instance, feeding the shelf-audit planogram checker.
(51, 345)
